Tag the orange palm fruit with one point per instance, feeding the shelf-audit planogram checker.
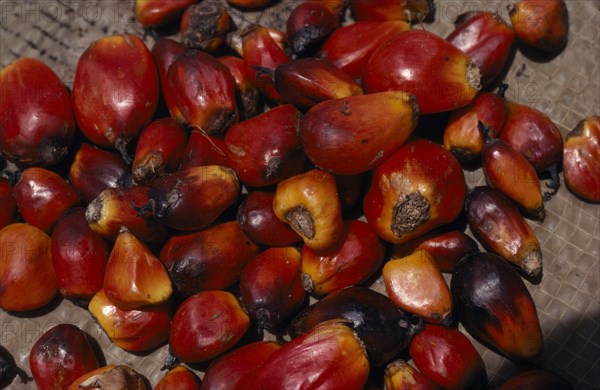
(111, 376)
(543, 24)
(179, 378)
(204, 25)
(400, 375)
(159, 12)
(581, 159)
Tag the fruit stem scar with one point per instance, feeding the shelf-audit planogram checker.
(410, 211)
(301, 221)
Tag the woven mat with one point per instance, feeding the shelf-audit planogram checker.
(566, 88)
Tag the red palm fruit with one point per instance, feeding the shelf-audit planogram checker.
(383, 328)
(462, 136)
(266, 149)
(261, 50)
(486, 39)
(534, 379)
(115, 91)
(271, 286)
(43, 196)
(111, 376)
(309, 203)
(93, 170)
(114, 209)
(354, 134)
(204, 25)
(356, 256)
(8, 204)
(203, 90)
(164, 52)
(309, 23)
(420, 187)
(211, 259)
(307, 81)
(206, 325)
(175, 200)
(447, 357)
(26, 273)
(179, 378)
(543, 24)
(442, 77)
(235, 39)
(494, 305)
(237, 369)
(202, 149)
(60, 356)
(581, 159)
(258, 221)
(159, 12)
(136, 330)
(499, 226)
(249, 4)
(134, 277)
(446, 248)
(400, 375)
(79, 256)
(159, 150)
(342, 362)
(248, 94)
(416, 284)
(37, 122)
(509, 172)
(409, 10)
(350, 189)
(349, 47)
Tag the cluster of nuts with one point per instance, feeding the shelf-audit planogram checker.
(228, 216)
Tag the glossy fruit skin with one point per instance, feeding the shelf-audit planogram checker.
(349, 47)
(448, 358)
(309, 203)
(237, 369)
(111, 376)
(211, 259)
(442, 77)
(61, 355)
(206, 325)
(499, 226)
(114, 209)
(43, 196)
(543, 24)
(79, 256)
(8, 204)
(421, 176)
(247, 93)
(202, 149)
(486, 39)
(581, 159)
(179, 378)
(271, 286)
(203, 91)
(383, 328)
(504, 317)
(136, 330)
(204, 25)
(37, 122)
(93, 170)
(175, 202)
(26, 272)
(309, 23)
(157, 13)
(376, 125)
(159, 150)
(258, 221)
(446, 248)
(164, 52)
(356, 256)
(534, 379)
(400, 375)
(409, 10)
(104, 84)
(462, 136)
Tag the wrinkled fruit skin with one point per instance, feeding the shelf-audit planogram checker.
(543, 24)
(581, 159)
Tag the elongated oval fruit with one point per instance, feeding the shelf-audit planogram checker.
(204, 25)
(341, 364)
(37, 122)
(164, 52)
(543, 24)
(418, 188)
(442, 77)
(400, 375)
(180, 378)
(537, 378)
(581, 159)
(157, 13)
(309, 23)
(382, 327)
(447, 357)
(409, 10)
(110, 377)
(115, 91)
(499, 226)
(494, 305)
(8, 204)
(355, 134)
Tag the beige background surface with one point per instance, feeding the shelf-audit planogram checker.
(566, 88)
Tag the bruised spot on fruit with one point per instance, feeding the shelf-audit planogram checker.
(93, 213)
(474, 75)
(301, 220)
(52, 150)
(410, 212)
(273, 168)
(346, 111)
(202, 21)
(304, 40)
(307, 283)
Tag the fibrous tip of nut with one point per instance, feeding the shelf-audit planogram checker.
(410, 211)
